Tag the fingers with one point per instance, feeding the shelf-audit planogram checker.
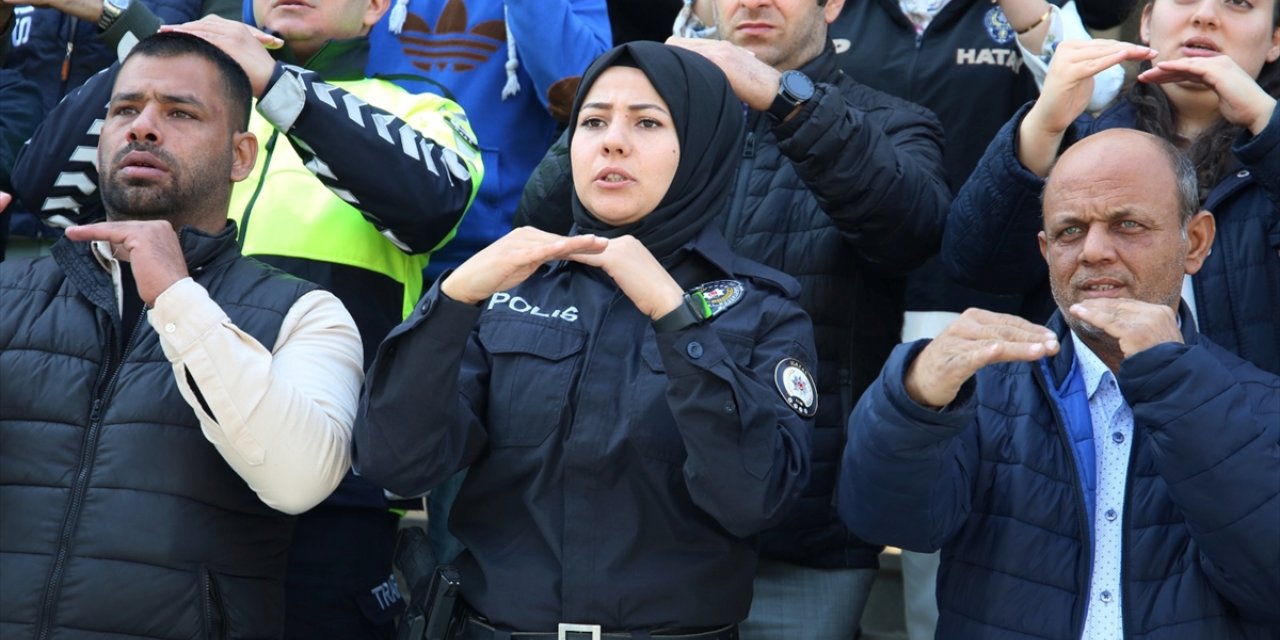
(1210, 70)
(977, 339)
(243, 43)
(571, 248)
(1135, 325)
(213, 28)
(1182, 70)
(268, 41)
(1114, 315)
(1087, 58)
(113, 232)
(5, 199)
(979, 324)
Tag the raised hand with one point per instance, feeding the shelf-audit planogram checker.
(245, 44)
(1067, 89)
(1240, 99)
(976, 339)
(640, 276)
(753, 81)
(151, 246)
(511, 260)
(1136, 325)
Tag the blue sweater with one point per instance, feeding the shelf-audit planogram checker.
(993, 482)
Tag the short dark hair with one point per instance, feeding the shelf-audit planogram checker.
(235, 83)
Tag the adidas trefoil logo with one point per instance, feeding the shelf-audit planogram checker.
(450, 44)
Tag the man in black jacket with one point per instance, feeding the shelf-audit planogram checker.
(165, 402)
(345, 165)
(842, 187)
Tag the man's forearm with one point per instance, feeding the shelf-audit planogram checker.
(412, 177)
(280, 418)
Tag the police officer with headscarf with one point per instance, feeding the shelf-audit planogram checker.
(634, 401)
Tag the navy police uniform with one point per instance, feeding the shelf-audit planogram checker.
(617, 473)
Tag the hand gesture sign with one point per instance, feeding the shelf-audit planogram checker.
(1067, 89)
(245, 44)
(1136, 325)
(1240, 99)
(978, 338)
(151, 246)
(753, 81)
(511, 260)
(640, 276)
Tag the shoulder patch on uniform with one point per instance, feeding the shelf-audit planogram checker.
(721, 294)
(796, 386)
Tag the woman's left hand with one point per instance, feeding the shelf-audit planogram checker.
(1240, 99)
(638, 274)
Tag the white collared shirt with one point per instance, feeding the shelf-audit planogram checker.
(1112, 420)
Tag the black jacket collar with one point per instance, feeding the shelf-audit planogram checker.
(822, 68)
(337, 60)
(200, 249)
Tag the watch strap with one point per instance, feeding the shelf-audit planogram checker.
(787, 100)
(693, 310)
(110, 13)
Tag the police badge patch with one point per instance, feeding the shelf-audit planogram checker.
(796, 386)
(998, 26)
(721, 295)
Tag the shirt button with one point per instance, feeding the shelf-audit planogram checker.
(694, 350)
(728, 407)
(1117, 437)
(1110, 514)
(1244, 173)
(170, 328)
(1105, 596)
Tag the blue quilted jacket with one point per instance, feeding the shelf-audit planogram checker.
(990, 239)
(994, 482)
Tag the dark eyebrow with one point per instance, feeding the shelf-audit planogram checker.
(635, 107)
(168, 98)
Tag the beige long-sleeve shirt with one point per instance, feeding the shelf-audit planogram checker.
(280, 417)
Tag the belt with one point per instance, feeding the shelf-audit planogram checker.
(475, 629)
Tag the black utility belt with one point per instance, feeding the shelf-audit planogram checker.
(475, 629)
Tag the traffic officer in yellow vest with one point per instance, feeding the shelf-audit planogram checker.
(356, 182)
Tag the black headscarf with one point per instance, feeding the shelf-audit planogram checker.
(708, 122)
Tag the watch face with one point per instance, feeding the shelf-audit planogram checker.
(798, 85)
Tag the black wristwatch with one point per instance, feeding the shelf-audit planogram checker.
(111, 11)
(692, 310)
(794, 89)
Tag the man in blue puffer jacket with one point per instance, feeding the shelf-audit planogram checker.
(1115, 475)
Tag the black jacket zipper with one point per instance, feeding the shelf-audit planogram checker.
(80, 485)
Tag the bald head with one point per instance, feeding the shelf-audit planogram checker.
(1132, 156)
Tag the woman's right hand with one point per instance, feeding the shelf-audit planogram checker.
(1240, 100)
(511, 260)
(1067, 89)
